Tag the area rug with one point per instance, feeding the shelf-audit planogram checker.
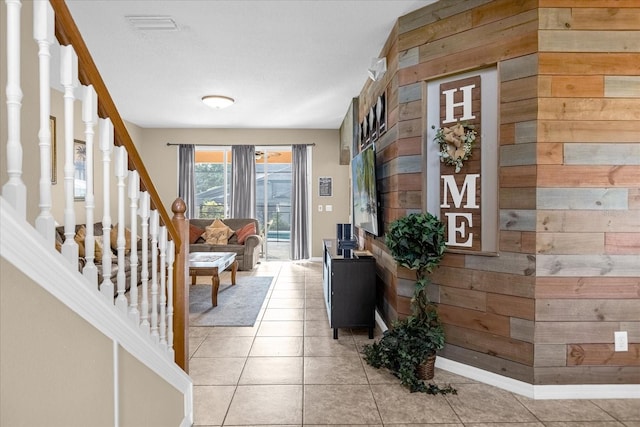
(238, 305)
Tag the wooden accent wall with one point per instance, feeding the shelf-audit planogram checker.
(588, 182)
(567, 274)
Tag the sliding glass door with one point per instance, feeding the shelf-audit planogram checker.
(273, 189)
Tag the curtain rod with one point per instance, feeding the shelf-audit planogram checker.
(228, 145)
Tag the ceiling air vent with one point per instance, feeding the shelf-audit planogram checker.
(152, 23)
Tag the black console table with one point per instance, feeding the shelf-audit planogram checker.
(349, 288)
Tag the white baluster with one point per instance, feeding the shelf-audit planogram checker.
(14, 191)
(121, 277)
(153, 228)
(171, 257)
(89, 117)
(68, 73)
(134, 195)
(163, 287)
(43, 28)
(106, 146)
(143, 212)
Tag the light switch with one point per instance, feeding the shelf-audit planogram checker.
(328, 208)
(319, 208)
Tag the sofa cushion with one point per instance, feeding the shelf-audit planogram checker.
(217, 233)
(245, 232)
(80, 238)
(194, 233)
(114, 239)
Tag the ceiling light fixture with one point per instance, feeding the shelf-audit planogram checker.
(217, 101)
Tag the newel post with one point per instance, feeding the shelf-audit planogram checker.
(180, 286)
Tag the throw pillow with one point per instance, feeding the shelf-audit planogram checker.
(194, 233)
(80, 237)
(216, 236)
(219, 224)
(245, 232)
(114, 239)
(99, 245)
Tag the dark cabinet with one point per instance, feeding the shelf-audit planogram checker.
(349, 288)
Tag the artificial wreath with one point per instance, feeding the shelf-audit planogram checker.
(456, 143)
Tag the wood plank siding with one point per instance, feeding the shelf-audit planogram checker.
(567, 273)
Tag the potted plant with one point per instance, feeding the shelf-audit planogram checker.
(408, 349)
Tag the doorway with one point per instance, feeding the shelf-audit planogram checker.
(273, 200)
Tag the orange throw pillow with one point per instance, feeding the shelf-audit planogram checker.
(194, 233)
(245, 232)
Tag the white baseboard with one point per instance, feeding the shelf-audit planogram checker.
(538, 392)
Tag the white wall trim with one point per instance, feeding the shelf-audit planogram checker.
(538, 392)
(21, 245)
(542, 392)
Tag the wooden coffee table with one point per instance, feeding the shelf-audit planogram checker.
(211, 263)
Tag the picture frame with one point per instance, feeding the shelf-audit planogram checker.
(325, 186)
(54, 161)
(349, 133)
(79, 169)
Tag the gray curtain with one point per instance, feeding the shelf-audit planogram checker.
(243, 181)
(299, 202)
(187, 178)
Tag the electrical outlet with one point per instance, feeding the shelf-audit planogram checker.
(621, 341)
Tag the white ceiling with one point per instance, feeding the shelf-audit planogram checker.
(288, 64)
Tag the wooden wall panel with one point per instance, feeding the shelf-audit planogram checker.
(570, 243)
(602, 354)
(507, 305)
(588, 287)
(575, 332)
(586, 310)
(590, 63)
(567, 273)
(475, 320)
(589, 41)
(576, 86)
(588, 176)
(495, 345)
(622, 243)
(589, 131)
(588, 265)
(622, 86)
(594, 221)
(550, 355)
(587, 375)
(602, 154)
(488, 362)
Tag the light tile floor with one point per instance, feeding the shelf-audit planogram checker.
(288, 371)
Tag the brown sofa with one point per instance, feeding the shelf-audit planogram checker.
(247, 254)
(106, 246)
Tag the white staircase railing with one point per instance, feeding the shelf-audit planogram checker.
(150, 253)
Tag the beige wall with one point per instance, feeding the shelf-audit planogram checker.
(57, 369)
(162, 165)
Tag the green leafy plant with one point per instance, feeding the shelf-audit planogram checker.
(417, 242)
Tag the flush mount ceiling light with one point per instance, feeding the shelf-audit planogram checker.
(218, 101)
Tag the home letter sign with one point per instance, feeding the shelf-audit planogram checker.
(460, 191)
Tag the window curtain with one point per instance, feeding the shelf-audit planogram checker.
(299, 202)
(243, 181)
(187, 177)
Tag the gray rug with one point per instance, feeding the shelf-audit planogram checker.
(237, 305)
